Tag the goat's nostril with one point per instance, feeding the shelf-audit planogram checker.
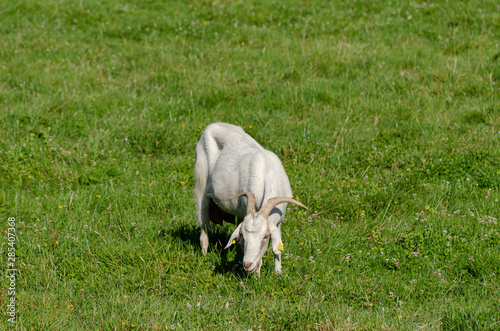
(247, 265)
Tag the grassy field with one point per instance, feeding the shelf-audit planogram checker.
(385, 114)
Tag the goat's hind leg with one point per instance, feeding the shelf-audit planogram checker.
(204, 222)
(202, 216)
(200, 193)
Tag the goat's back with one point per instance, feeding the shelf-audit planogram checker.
(229, 161)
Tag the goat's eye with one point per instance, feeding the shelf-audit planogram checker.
(266, 237)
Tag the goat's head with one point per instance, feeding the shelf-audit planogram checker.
(256, 230)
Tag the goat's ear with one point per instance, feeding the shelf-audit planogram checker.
(234, 236)
(276, 238)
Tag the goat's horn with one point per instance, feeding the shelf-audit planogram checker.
(273, 202)
(251, 201)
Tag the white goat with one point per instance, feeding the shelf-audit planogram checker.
(231, 164)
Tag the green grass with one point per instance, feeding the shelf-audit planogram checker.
(385, 115)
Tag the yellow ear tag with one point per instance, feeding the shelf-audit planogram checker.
(280, 246)
(234, 242)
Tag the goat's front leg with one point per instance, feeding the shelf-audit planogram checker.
(257, 270)
(277, 248)
(277, 263)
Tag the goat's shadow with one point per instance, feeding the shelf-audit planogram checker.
(218, 237)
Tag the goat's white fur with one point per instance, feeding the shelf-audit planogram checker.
(228, 162)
